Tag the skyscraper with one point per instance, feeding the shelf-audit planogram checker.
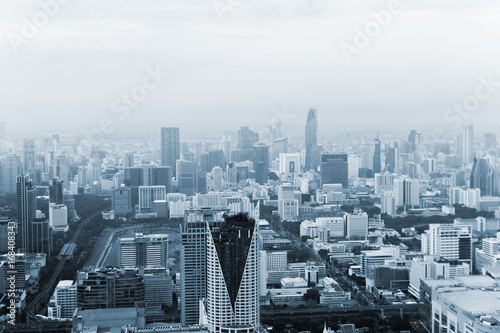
(334, 169)
(311, 135)
(26, 212)
(11, 168)
(56, 192)
(194, 259)
(483, 177)
(190, 179)
(232, 302)
(247, 138)
(391, 158)
(465, 145)
(261, 162)
(170, 147)
(28, 155)
(407, 192)
(376, 157)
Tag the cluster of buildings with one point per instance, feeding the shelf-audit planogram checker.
(231, 261)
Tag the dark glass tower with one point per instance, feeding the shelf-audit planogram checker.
(311, 135)
(26, 212)
(334, 169)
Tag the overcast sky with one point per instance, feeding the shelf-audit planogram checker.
(262, 56)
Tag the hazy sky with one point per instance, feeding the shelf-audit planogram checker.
(263, 55)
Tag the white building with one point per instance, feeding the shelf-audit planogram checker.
(149, 194)
(388, 203)
(144, 250)
(407, 192)
(488, 256)
(289, 164)
(464, 309)
(336, 225)
(356, 224)
(448, 241)
(384, 182)
(276, 260)
(63, 302)
(468, 197)
(58, 218)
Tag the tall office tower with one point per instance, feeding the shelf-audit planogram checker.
(483, 177)
(414, 141)
(190, 179)
(449, 241)
(465, 147)
(148, 195)
(144, 250)
(232, 302)
(26, 212)
(289, 164)
(11, 168)
(261, 162)
(407, 192)
(334, 169)
(204, 162)
(384, 182)
(63, 302)
(133, 178)
(357, 224)
(247, 138)
(170, 147)
(367, 157)
(56, 192)
(94, 169)
(109, 288)
(28, 155)
(280, 146)
(194, 259)
(161, 176)
(41, 237)
(3, 131)
(391, 159)
(227, 145)
(429, 165)
(217, 179)
(128, 160)
(490, 141)
(311, 135)
(216, 158)
(377, 164)
(62, 170)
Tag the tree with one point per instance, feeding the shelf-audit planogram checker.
(324, 254)
(312, 294)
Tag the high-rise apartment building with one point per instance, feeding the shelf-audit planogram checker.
(407, 192)
(170, 147)
(465, 145)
